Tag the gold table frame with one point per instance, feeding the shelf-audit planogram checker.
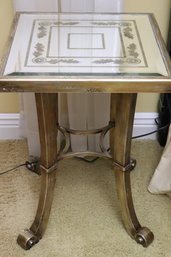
(123, 91)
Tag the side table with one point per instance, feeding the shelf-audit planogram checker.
(121, 54)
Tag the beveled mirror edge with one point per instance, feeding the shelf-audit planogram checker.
(8, 45)
(160, 42)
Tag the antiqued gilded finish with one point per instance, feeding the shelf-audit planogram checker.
(65, 152)
(50, 53)
(47, 109)
(88, 85)
(122, 112)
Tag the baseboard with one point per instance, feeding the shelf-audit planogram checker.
(9, 126)
(144, 122)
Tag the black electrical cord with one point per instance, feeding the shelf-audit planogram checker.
(12, 169)
(152, 132)
(28, 164)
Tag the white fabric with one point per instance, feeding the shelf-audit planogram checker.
(35, 5)
(69, 5)
(29, 123)
(79, 111)
(161, 180)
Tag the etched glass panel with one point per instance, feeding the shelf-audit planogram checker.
(85, 44)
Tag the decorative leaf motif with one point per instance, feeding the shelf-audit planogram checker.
(39, 47)
(57, 23)
(118, 61)
(111, 23)
(36, 54)
(65, 23)
(133, 60)
(127, 33)
(129, 41)
(39, 60)
(104, 61)
(54, 61)
(42, 32)
(39, 50)
(132, 50)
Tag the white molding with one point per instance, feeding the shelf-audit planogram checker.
(9, 126)
(144, 122)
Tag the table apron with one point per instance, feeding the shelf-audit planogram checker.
(76, 86)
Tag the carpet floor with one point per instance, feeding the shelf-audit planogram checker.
(85, 218)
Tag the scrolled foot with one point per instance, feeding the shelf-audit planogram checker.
(27, 240)
(144, 237)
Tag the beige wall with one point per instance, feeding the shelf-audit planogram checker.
(9, 103)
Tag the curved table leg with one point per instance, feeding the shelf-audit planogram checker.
(122, 113)
(47, 117)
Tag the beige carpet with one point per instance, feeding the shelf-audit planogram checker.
(85, 219)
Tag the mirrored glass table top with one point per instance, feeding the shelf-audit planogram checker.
(78, 45)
